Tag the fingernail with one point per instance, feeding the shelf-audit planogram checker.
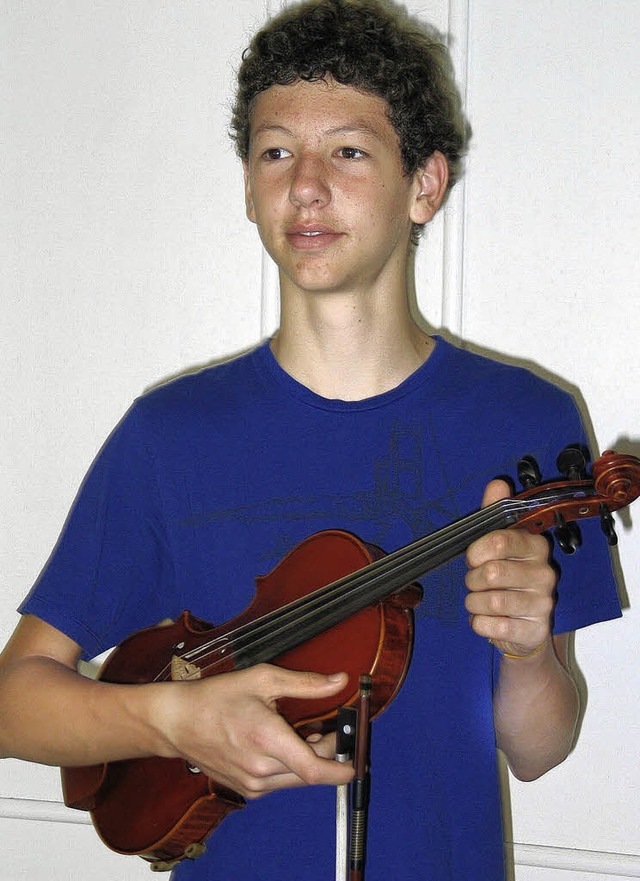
(335, 677)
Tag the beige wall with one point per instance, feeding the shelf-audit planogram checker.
(126, 258)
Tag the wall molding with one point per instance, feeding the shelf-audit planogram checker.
(453, 264)
(559, 858)
(44, 811)
(568, 859)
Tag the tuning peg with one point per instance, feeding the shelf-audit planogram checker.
(572, 462)
(567, 535)
(608, 525)
(528, 472)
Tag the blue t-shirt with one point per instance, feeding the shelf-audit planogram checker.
(210, 480)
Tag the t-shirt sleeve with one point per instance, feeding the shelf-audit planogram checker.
(111, 571)
(587, 589)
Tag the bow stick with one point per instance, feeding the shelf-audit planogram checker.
(360, 785)
(352, 742)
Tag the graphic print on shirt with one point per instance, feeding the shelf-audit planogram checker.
(400, 496)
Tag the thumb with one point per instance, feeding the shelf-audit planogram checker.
(494, 491)
(292, 683)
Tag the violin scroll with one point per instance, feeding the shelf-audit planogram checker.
(617, 478)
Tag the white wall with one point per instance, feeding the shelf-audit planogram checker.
(551, 270)
(126, 258)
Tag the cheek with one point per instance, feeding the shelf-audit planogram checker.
(272, 198)
(384, 200)
(264, 205)
(388, 219)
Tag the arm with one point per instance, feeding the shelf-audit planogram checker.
(511, 585)
(227, 725)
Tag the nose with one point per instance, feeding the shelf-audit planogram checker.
(309, 184)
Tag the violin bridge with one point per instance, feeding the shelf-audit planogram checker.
(181, 669)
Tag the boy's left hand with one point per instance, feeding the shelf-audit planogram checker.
(511, 585)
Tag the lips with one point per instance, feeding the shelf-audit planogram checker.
(312, 237)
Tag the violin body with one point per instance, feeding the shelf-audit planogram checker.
(333, 603)
(161, 808)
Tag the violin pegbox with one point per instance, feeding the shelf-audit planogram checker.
(614, 483)
(567, 535)
(529, 473)
(572, 463)
(607, 525)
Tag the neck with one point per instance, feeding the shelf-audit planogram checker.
(347, 347)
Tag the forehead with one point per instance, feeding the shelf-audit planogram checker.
(322, 108)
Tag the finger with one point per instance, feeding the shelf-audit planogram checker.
(321, 771)
(323, 746)
(293, 762)
(514, 602)
(508, 561)
(289, 780)
(495, 549)
(276, 682)
(494, 491)
(479, 550)
(516, 635)
(313, 763)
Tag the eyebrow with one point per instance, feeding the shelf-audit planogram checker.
(355, 128)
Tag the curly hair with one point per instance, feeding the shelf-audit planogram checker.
(373, 46)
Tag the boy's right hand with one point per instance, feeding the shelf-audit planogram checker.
(229, 727)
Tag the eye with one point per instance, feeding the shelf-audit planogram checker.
(275, 153)
(351, 153)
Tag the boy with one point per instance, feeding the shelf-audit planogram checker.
(350, 417)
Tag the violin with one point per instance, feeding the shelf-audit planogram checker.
(334, 602)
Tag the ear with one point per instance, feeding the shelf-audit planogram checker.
(248, 198)
(431, 186)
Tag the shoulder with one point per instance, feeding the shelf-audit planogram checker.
(226, 379)
(493, 386)
(465, 365)
(190, 407)
(228, 386)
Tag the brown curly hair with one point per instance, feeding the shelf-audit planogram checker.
(371, 45)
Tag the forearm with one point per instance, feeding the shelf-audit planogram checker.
(55, 716)
(536, 707)
(228, 725)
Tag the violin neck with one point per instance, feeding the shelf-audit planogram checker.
(314, 613)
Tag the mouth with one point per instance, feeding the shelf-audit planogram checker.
(312, 237)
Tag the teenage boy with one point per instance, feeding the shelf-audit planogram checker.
(351, 417)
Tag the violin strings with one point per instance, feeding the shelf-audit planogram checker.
(321, 609)
(314, 612)
(360, 588)
(276, 621)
